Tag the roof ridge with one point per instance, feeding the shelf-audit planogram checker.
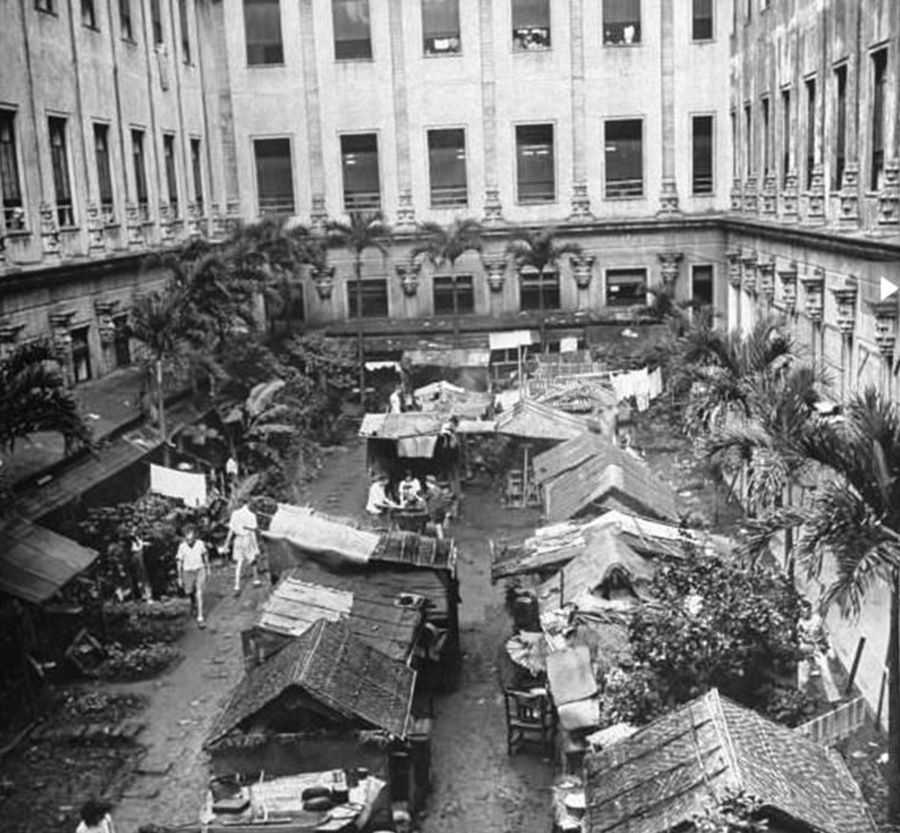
(725, 733)
(316, 632)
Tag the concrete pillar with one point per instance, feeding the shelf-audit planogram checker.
(581, 202)
(313, 109)
(668, 199)
(493, 210)
(406, 218)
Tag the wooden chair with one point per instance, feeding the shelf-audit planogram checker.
(529, 720)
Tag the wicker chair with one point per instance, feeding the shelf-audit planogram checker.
(529, 720)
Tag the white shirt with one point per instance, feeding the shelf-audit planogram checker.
(190, 556)
(378, 499)
(243, 521)
(396, 403)
(410, 489)
(231, 466)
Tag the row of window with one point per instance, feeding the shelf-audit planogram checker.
(441, 34)
(764, 156)
(448, 177)
(90, 19)
(455, 295)
(11, 193)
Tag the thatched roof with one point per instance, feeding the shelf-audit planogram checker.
(336, 669)
(658, 779)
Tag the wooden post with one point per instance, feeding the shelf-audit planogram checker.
(855, 666)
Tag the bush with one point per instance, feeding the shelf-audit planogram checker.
(790, 706)
(133, 624)
(127, 664)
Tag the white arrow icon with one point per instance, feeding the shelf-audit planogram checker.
(888, 288)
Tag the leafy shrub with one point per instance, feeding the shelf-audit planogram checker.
(123, 664)
(790, 706)
(133, 624)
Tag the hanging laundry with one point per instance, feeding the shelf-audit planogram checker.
(186, 485)
(416, 446)
(656, 383)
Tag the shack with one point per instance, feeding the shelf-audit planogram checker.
(325, 701)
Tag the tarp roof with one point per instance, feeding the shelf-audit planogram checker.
(318, 534)
(661, 777)
(534, 420)
(418, 424)
(36, 562)
(448, 357)
(335, 668)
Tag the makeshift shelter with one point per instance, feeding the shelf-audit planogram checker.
(445, 398)
(532, 420)
(325, 701)
(665, 774)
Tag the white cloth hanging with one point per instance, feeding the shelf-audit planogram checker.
(185, 485)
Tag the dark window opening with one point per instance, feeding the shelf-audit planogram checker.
(440, 27)
(121, 341)
(703, 154)
(352, 30)
(840, 139)
(88, 14)
(624, 158)
(156, 20)
(359, 161)
(879, 77)
(374, 298)
(535, 174)
(104, 172)
(45, 6)
(766, 139)
(702, 22)
(171, 175)
(140, 174)
(81, 355)
(626, 287)
(447, 168)
(702, 285)
(274, 176)
(735, 155)
(785, 134)
(621, 21)
(748, 140)
(125, 19)
(185, 31)
(10, 183)
(454, 295)
(262, 27)
(810, 130)
(530, 25)
(539, 292)
(197, 171)
(62, 184)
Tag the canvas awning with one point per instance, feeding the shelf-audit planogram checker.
(306, 529)
(36, 562)
(511, 339)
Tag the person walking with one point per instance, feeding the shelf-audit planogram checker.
(193, 568)
(242, 527)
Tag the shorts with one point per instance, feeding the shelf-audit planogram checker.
(245, 548)
(194, 580)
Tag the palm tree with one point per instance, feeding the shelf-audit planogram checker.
(539, 250)
(365, 230)
(447, 245)
(853, 522)
(34, 397)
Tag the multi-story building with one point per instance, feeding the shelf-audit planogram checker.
(128, 126)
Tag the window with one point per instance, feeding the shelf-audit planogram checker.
(45, 6)
(125, 19)
(621, 21)
(140, 173)
(10, 182)
(535, 173)
(440, 27)
(121, 341)
(447, 168)
(274, 176)
(539, 292)
(454, 295)
(840, 139)
(197, 171)
(81, 355)
(785, 134)
(703, 154)
(156, 20)
(702, 22)
(530, 24)
(88, 14)
(748, 140)
(735, 165)
(810, 130)
(185, 31)
(626, 287)
(171, 175)
(359, 161)
(374, 298)
(702, 285)
(624, 158)
(352, 34)
(262, 31)
(59, 160)
(766, 143)
(104, 172)
(879, 78)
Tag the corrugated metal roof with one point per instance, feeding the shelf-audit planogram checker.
(335, 668)
(36, 562)
(572, 453)
(662, 776)
(534, 420)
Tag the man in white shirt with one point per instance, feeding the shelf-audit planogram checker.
(410, 490)
(379, 502)
(193, 567)
(242, 528)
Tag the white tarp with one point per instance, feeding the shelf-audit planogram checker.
(512, 339)
(569, 344)
(186, 485)
(303, 527)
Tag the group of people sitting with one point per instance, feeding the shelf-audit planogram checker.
(409, 495)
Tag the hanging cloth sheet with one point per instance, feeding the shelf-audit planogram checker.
(416, 446)
(656, 383)
(188, 486)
